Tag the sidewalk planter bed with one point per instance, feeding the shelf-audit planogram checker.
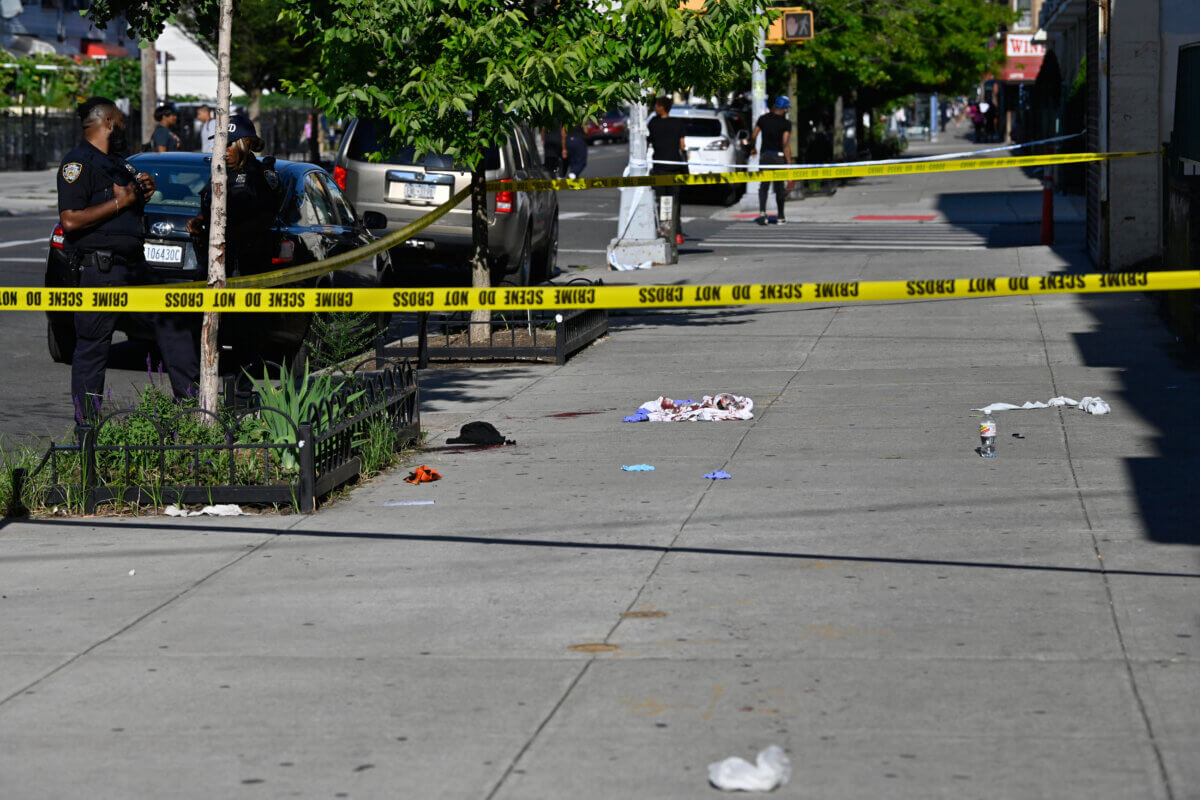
(253, 453)
(513, 336)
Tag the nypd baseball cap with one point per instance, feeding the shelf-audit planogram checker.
(240, 127)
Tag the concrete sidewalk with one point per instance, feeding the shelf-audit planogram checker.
(906, 619)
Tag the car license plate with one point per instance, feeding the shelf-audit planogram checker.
(419, 191)
(163, 253)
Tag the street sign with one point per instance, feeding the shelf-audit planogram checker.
(793, 25)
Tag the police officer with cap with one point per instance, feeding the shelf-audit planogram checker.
(101, 202)
(252, 202)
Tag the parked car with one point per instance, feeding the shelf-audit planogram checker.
(611, 126)
(715, 143)
(315, 221)
(522, 226)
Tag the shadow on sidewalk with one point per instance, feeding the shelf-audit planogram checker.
(567, 544)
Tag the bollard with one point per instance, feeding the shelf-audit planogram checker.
(308, 469)
(1047, 206)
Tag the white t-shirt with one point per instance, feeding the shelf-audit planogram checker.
(208, 130)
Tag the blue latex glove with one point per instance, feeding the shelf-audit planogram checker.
(639, 468)
(718, 475)
(638, 416)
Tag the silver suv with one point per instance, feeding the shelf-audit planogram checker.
(522, 226)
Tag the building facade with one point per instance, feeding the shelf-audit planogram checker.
(1124, 55)
(55, 26)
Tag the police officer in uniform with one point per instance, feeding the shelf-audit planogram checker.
(252, 202)
(101, 199)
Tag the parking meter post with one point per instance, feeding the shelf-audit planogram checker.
(423, 339)
(638, 239)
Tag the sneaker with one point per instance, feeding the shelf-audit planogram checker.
(781, 221)
(761, 219)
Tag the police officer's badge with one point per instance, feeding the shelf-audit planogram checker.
(71, 171)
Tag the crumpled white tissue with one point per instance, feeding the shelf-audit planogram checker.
(612, 262)
(738, 775)
(1092, 405)
(228, 510)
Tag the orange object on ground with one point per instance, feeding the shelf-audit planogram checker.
(423, 474)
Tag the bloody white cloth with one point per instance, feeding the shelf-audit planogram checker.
(709, 409)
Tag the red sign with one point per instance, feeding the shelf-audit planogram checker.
(1024, 57)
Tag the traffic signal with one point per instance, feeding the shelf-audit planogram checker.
(792, 25)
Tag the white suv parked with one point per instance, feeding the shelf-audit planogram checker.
(715, 144)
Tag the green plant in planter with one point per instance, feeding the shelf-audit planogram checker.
(307, 398)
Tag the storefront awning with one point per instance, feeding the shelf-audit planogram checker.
(103, 50)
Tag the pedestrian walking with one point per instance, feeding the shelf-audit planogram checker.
(208, 127)
(101, 202)
(667, 135)
(577, 151)
(165, 140)
(776, 132)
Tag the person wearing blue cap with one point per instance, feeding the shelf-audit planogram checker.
(776, 132)
(251, 203)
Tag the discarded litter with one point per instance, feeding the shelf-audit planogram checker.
(638, 468)
(718, 475)
(1092, 405)
(227, 510)
(1018, 436)
(423, 474)
(711, 408)
(132, 572)
(771, 770)
(479, 433)
(409, 502)
(613, 264)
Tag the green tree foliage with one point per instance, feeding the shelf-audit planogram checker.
(452, 75)
(119, 77)
(265, 51)
(43, 80)
(885, 49)
(145, 20)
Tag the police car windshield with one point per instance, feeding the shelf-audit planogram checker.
(179, 185)
(366, 141)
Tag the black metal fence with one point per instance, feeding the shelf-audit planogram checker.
(33, 139)
(88, 473)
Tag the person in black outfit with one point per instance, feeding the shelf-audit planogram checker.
(577, 151)
(101, 201)
(666, 136)
(252, 203)
(776, 132)
(555, 147)
(164, 140)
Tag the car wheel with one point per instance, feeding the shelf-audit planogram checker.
(546, 260)
(729, 194)
(60, 340)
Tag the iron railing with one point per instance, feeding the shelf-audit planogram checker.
(89, 474)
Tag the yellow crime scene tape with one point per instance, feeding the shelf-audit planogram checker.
(812, 173)
(550, 298)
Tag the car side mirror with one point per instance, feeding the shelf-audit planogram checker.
(374, 220)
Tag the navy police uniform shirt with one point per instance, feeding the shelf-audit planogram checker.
(86, 179)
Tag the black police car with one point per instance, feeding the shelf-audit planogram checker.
(314, 221)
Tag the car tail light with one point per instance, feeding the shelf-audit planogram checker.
(505, 199)
(339, 177)
(287, 252)
(56, 238)
(719, 144)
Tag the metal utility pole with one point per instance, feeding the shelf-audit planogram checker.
(209, 347)
(638, 238)
(758, 107)
(149, 91)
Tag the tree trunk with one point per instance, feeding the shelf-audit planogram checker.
(149, 94)
(314, 139)
(481, 277)
(256, 106)
(839, 129)
(209, 348)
